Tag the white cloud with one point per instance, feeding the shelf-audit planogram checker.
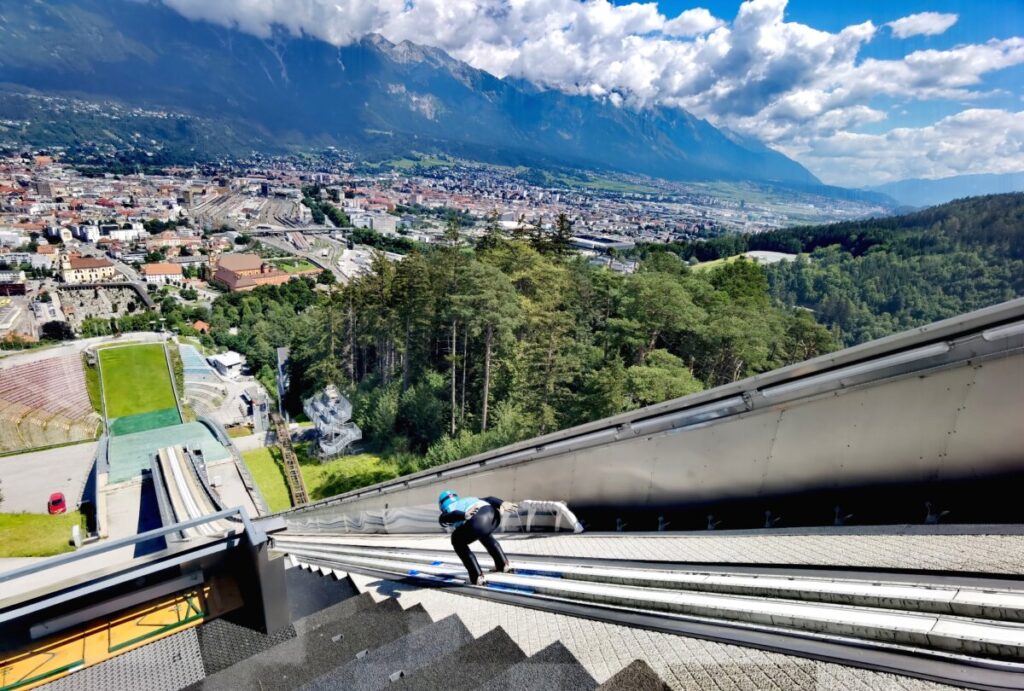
(976, 140)
(922, 24)
(798, 88)
(692, 23)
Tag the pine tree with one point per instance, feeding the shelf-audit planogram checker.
(562, 239)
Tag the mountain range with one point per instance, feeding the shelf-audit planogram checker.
(371, 96)
(930, 192)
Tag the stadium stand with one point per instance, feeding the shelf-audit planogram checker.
(45, 402)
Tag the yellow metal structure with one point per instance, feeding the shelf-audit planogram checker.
(55, 657)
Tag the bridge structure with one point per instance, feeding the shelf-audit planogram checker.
(847, 522)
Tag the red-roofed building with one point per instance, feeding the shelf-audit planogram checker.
(78, 269)
(161, 272)
(247, 271)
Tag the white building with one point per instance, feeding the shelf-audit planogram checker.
(228, 364)
(12, 238)
(162, 273)
(360, 219)
(385, 223)
(86, 232)
(36, 261)
(116, 232)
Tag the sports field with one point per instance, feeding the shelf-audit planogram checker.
(137, 388)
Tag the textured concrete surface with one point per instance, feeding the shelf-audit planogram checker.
(169, 664)
(552, 668)
(482, 659)
(328, 641)
(605, 649)
(224, 643)
(402, 656)
(996, 554)
(30, 478)
(309, 593)
(230, 486)
(638, 676)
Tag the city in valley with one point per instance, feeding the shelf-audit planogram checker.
(146, 237)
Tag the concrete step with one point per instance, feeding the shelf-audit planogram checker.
(381, 665)
(979, 637)
(552, 669)
(1004, 604)
(325, 641)
(308, 593)
(480, 660)
(636, 676)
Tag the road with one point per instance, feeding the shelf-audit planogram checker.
(30, 478)
(10, 358)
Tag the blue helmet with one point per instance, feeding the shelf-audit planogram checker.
(446, 499)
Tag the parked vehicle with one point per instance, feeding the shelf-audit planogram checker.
(57, 503)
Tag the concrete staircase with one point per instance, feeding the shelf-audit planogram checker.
(361, 644)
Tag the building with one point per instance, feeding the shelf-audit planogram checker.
(33, 259)
(86, 232)
(115, 232)
(12, 282)
(246, 272)
(201, 327)
(77, 269)
(386, 224)
(228, 364)
(161, 272)
(9, 314)
(331, 413)
(601, 244)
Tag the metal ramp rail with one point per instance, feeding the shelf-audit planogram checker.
(292, 472)
(887, 425)
(954, 629)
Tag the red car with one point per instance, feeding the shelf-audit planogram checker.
(57, 503)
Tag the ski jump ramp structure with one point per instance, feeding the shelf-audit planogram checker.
(898, 430)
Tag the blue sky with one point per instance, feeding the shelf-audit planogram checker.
(978, 21)
(860, 92)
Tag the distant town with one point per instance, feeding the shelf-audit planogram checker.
(79, 247)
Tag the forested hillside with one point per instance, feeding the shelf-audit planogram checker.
(867, 279)
(454, 350)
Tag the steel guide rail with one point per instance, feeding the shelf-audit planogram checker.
(933, 665)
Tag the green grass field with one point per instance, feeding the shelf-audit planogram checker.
(265, 466)
(294, 266)
(92, 385)
(36, 534)
(342, 474)
(135, 380)
(704, 266)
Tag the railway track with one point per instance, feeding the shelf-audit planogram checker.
(292, 472)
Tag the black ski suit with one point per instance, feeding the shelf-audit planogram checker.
(484, 521)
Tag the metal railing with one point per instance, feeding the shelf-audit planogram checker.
(292, 472)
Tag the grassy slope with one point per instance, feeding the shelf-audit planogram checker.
(135, 380)
(178, 367)
(293, 266)
(714, 263)
(265, 466)
(92, 385)
(35, 534)
(341, 474)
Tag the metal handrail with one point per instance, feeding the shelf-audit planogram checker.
(252, 532)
